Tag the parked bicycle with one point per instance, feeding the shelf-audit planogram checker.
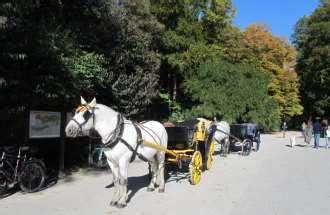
(98, 158)
(23, 170)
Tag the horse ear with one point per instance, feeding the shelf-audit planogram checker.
(93, 102)
(82, 101)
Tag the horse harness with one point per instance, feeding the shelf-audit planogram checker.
(86, 116)
(117, 133)
(117, 137)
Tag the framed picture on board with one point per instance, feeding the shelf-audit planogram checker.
(45, 124)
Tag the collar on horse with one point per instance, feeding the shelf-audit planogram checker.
(117, 137)
(117, 133)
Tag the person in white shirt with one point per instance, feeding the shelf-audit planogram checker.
(327, 137)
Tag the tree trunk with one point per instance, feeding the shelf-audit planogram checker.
(174, 88)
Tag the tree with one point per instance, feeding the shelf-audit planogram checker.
(55, 51)
(132, 56)
(233, 92)
(192, 35)
(312, 40)
(276, 57)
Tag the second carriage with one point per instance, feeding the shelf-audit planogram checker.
(245, 137)
(190, 145)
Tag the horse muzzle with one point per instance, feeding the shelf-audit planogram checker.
(72, 130)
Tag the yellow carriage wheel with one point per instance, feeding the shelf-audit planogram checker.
(210, 156)
(195, 168)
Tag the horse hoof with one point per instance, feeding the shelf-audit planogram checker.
(162, 190)
(113, 203)
(149, 189)
(121, 205)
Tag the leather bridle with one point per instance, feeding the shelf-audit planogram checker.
(80, 109)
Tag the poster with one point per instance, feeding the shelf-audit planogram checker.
(45, 124)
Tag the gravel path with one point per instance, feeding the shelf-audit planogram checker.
(277, 180)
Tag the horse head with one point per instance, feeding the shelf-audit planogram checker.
(83, 120)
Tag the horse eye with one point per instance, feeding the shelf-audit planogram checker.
(86, 115)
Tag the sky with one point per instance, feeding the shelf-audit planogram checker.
(279, 15)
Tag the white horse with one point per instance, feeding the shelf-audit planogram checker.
(221, 131)
(123, 142)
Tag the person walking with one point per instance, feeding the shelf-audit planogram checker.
(327, 137)
(317, 129)
(324, 124)
(303, 130)
(284, 128)
(309, 131)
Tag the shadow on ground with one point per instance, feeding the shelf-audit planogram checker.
(135, 184)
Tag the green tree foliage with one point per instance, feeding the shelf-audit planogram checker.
(133, 59)
(189, 41)
(312, 40)
(193, 32)
(126, 52)
(234, 92)
(54, 51)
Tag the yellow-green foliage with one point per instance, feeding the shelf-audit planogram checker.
(277, 58)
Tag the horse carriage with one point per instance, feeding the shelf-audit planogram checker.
(245, 136)
(125, 140)
(189, 145)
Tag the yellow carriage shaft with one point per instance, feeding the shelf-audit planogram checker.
(178, 154)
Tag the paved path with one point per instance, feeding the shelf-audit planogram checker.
(276, 180)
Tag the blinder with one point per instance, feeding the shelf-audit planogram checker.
(87, 115)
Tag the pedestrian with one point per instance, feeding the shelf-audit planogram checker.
(303, 130)
(284, 128)
(327, 137)
(309, 131)
(317, 129)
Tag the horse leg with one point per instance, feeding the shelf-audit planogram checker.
(222, 150)
(123, 169)
(228, 145)
(115, 172)
(226, 142)
(160, 171)
(153, 167)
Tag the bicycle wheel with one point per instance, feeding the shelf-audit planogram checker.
(247, 147)
(32, 177)
(3, 182)
(99, 160)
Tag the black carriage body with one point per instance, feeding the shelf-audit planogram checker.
(179, 137)
(245, 131)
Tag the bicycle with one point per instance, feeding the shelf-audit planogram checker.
(23, 170)
(98, 158)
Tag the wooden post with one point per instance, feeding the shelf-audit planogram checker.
(27, 123)
(62, 145)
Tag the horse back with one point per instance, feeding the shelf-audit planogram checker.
(153, 131)
(222, 131)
